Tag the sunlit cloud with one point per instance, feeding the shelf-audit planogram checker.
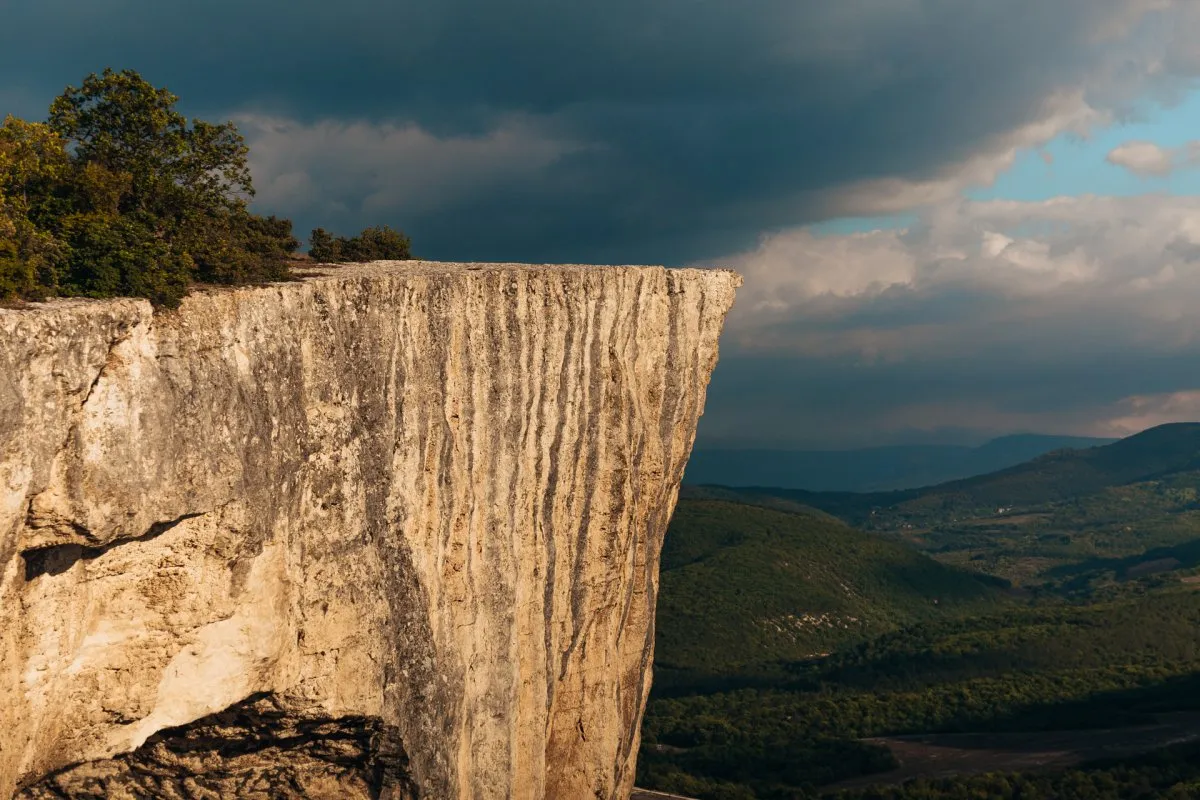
(1149, 159)
(986, 316)
(1146, 411)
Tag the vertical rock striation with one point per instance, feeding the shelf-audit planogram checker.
(392, 530)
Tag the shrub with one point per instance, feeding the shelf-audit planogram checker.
(379, 243)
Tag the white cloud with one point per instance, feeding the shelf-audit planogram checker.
(1086, 272)
(1149, 159)
(1142, 158)
(1071, 315)
(684, 162)
(1150, 59)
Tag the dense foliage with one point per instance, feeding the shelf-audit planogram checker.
(1072, 521)
(1099, 630)
(742, 585)
(118, 193)
(1061, 667)
(1170, 774)
(373, 244)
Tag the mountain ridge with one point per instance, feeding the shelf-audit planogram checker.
(1158, 451)
(884, 468)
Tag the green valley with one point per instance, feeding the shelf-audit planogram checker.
(742, 585)
(811, 643)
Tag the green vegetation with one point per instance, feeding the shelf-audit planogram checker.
(1058, 476)
(1100, 629)
(742, 585)
(1067, 474)
(1074, 520)
(117, 193)
(373, 244)
(1059, 667)
(1170, 774)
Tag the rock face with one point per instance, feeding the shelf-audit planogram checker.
(389, 531)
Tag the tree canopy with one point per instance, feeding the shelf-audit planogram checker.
(373, 244)
(118, 193)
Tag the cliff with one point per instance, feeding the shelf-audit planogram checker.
(389, 531)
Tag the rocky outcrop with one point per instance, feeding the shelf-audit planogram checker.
(389, 531)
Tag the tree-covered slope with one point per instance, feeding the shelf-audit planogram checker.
(1069, 474)
(743, 584)
(1074, 519)
(1051, 668)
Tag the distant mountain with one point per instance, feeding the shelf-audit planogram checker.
(754, 574)
(1054, 477)
(871, 469)
(745, 584)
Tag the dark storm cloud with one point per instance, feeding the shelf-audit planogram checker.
(685, 127)
(817, 403)
(674, 131)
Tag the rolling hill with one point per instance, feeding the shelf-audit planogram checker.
(1068, 474)
(1056, 476)
(743, 584)
(1119, 508)
(1012, 617)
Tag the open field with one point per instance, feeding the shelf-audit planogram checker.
(945, 755)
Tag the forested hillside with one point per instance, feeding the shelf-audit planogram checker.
(1064, 644)
(1057, 668)
(1075, 519)
(1064, 475)
(741, 585)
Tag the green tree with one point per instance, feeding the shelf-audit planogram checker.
(33, 161)
(33, 158)
(238, 247)
(324, 248)
(184, 184)
(378, 243)
(121, 256)
(118, 193)
(121, 122)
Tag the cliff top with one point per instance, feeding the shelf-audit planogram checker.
(346, 272)
(417, 267)
(335, 273)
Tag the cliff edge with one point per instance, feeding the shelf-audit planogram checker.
(392, 530)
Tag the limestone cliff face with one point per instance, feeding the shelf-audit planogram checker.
(392, 530)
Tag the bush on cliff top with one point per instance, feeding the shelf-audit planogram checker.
(118, 194)
(373, 244)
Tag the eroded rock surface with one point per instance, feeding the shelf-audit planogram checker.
(256, 749)
(415, 506)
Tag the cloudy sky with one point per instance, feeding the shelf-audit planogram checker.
(956, 218)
